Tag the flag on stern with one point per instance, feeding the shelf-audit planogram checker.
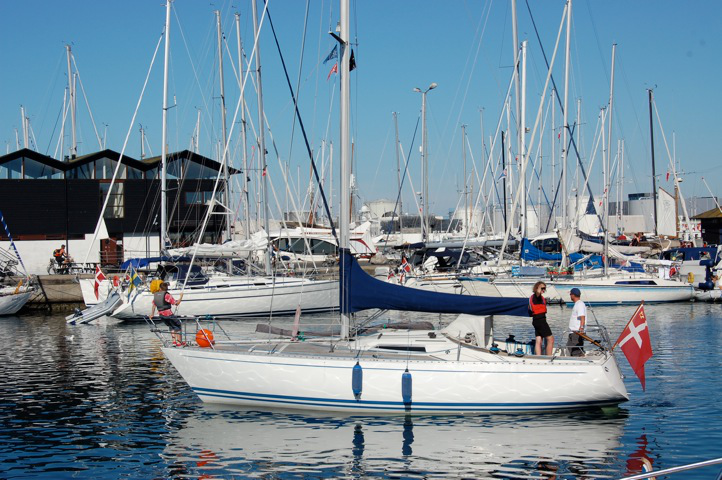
(333, 54)
(99, 277)
(635, 342)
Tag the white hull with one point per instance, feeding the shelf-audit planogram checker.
(447, 376)
(242, 297)
(596, 291)
(11, 304)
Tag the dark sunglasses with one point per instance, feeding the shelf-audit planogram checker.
(544, 289)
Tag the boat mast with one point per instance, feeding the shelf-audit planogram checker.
(522, 141)
(565, 125)
(654, 172)
(609, 163)
(398, 172)
(242, 84)
(224, 149)
(345, 144)
(261, 137)
(164, 239)
(466, 192)
(71, 88)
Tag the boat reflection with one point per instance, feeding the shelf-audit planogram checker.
(217, 443)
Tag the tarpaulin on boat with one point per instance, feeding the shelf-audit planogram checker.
(359, 291)
(531, 253)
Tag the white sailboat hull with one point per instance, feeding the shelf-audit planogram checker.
(269, 375)
(11, 304)
(241, 297)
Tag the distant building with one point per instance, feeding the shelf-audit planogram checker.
(711, 221)
(47, 202)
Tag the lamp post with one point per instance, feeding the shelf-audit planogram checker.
(424, 165)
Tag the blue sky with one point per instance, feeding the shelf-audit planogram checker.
(464, 46)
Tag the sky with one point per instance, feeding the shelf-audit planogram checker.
(465, 47)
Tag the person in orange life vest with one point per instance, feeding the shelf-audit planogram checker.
(59, 255)
(538, 312)
(163, 301)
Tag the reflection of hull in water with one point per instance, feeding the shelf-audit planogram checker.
(225, 442)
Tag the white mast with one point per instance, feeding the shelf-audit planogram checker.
(224, 149)
(62, 125)
(565, 124)
(522, 140)
(609, 162)
(261, 137)
(24, 121)
(345, 143)
(164, 238)
(71, 88)
(242, 85)
(198, 132)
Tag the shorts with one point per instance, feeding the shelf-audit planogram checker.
(173, 323)
(541, 327)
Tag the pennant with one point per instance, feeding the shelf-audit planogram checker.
(352, 62)
(636, 344)
(667, 176)
(503, 175)
(99, 277)
(332, 55)
(334, 69)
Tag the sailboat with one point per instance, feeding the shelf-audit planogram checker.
(458, 369)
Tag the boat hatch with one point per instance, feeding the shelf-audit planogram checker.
(402, 348)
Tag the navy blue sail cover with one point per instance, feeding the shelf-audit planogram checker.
(360, 291)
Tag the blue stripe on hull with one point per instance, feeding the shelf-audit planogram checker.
(324, 403)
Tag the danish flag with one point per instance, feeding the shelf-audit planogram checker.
(635, 343)
(99, 277)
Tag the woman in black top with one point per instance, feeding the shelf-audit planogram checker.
(538, 312)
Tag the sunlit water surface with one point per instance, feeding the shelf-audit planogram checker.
(100, 401)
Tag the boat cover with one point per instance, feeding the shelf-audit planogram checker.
(360, 291)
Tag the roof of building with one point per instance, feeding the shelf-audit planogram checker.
(713, 213)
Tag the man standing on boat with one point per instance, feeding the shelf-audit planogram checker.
(577, 323)
(538, 312)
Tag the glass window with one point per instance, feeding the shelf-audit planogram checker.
(200, 198)
(36, 170)
(115, 203)
(152, 174)
(174, 170)
(82, 172)
(196, 171)
(134, 174)
(322, 247)
(12, 169)
(105, 167)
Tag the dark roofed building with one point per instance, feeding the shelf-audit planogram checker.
(711, 222)
(46, 199)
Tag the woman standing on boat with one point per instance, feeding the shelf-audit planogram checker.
(538, 312)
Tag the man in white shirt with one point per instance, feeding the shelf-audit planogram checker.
(577, 322)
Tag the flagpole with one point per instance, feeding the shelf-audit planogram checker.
(630, 321)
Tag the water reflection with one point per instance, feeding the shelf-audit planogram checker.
(223, 443)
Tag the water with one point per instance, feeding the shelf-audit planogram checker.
(100, 401)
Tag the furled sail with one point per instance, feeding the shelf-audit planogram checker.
(360, 291)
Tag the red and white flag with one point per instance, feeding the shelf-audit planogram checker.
(99, 277)
(334, 69)
(635, 343)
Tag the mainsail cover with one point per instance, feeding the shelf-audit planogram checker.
(359, 291)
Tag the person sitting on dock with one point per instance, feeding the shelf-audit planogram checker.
(538, 312)
(163, 301)
(60, 256)
(577, 322)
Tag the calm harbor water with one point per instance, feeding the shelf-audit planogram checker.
(100, 401)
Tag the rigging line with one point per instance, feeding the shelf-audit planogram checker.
(122, 152)
(57, 119)
(47, 98)
(403, 177)
(298, 80)
(381, 155)
(303, 129)
(87, 104)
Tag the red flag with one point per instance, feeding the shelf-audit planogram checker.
(334, 69)
(667, 176)
(99, 277)
(635, 343)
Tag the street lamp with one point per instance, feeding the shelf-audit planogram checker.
(424, 164)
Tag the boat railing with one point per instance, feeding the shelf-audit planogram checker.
(594, 336)
(672, 470)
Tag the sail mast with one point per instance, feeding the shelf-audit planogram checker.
(224, 149)
(345, 146)
(261, 137)
(654, 172)
(164, 147)
(609, 163)
(565, 125)
(242, 85)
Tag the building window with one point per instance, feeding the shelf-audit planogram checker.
(199, 198)
(12, 170)
(82, 172)
(115, 202)
(105, 168)
(37, 170)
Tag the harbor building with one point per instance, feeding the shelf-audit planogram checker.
(47, 202)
